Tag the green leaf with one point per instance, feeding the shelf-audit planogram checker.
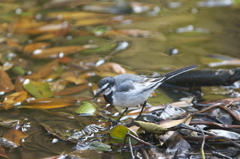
(118, 134)
(102, 49)
(99, 146)
(151, 127)
(18, 70)
(86, 109)
(38, 89)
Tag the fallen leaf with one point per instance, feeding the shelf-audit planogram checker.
(60, 51)
(119, 132)
(111, 67)
(31, 47)
(45, 36)
(14, 136)
(86, 109)
(38, 89)
(44, 70)
(13, 44)
(171, 123)
(73, 15)
(129, 32)
(71, 90)
(74, 77)
(47, 103)
(6, 84)
(14, 98)
(3, 152)
(151, 127)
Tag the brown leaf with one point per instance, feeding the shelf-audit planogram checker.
(111, 67)
(129, 32)
(31, 47)
(13, 44)
(54, 52)
(14, 98)
(18, 84)
(48, 103)
(71, 90)
(74, 15)
(6, 84)
(74, 77)
(14, 136)
(171, 123)
(44, 70)
(3, 152)
(46, 28)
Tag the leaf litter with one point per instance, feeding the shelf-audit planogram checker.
(44, 93)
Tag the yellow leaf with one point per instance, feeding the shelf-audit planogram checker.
(14, 98)
(48, 103)
(56, 51)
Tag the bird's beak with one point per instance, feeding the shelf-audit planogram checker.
(97, 94)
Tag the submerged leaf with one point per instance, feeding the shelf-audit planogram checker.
(48, 103)
(99, 146)
(74, 77)
(86, 109)
(31, 47)
(37, 89)
(14, 98)
(2, 152)
(71, 90)
(111, 67)
(13, 136)
(5, 83)
(44, 70)
(60, 51)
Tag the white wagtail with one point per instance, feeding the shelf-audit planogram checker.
(127, 90)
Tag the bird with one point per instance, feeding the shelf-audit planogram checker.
(128, 90)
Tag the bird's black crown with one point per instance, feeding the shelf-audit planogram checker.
(106, 80)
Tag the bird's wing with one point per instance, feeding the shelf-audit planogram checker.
(139, 86)
(125, 86)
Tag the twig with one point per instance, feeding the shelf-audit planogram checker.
(203, 143)
(130, 147)
(221, 155)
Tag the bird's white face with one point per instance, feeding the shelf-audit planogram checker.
(106, 89)
(105, 86)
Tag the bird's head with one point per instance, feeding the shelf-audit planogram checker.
(105, 86)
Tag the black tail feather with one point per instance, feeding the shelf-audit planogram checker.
(178, 72)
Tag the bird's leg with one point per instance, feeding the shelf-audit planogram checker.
(116, 122)
(144, 104)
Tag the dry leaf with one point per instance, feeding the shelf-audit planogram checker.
(45, 36)
(74, 77)
(44, 70)
(14, 98)
(31, 47)
(13, 44)
(55, 52)
(171, 123)
(6, 84)
(48, 103)
(71, 90)
(111, 67)
(14, 136)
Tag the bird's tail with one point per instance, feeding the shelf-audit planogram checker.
(178, 72)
